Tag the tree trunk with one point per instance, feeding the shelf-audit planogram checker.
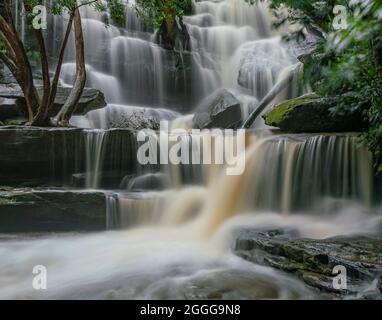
(41, 112)
(80, 79)
(53, 90)
(270, 96)
(41, 115)
(22, 65)
(79, 84)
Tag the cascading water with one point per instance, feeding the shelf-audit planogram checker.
(94, 144)
(178, 218)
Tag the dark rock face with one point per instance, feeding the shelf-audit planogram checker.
(313, 260)
(37, 210)
(174, 36)
(311, 113)
(9, 109)
(35, 156)
(91, 99)
(32, 156)
(219, 110)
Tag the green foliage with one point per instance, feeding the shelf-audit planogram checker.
(117, 11)
(3, 48)
(348, 63)
(308, 13)
(157, 12)
(58, 6)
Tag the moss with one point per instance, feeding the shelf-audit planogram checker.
(311, 113)
(280, 111)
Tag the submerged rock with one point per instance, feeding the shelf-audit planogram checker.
(37, 210)
(91, 99)
(314, 260)
(311, 113)
(219, 110)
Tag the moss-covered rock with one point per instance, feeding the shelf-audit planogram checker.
(311, 113)
(35, 210)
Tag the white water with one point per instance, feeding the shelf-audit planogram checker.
(176, 242)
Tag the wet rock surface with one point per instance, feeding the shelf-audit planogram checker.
(91, 99)
(219, 110)
(138, 118)
(32, 156)
(38, 210)
(313, 261)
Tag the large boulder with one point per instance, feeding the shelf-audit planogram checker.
(91, 99)
(314, 260)
(219, 110)
(36, 210)
(311, 113)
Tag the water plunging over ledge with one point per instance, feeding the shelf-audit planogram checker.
(169, 227)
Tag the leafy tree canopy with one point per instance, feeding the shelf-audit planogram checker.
(348, 63)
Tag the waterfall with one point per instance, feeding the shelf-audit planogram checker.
(232, 45)
(170, 225)
(94, 144)
(283, 174)
(126, 211)
(302, 171)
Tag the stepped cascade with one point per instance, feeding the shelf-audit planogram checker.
(169, 226)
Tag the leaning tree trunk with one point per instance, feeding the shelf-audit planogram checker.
(80, 79)
(16, 58)
(56, 78)
(280, 86)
